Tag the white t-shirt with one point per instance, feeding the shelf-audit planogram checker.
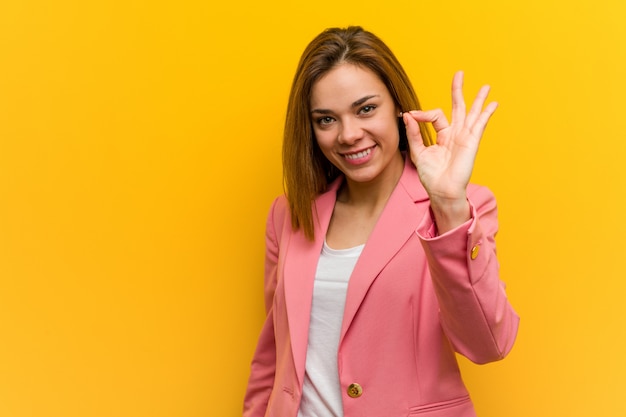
(321, 393)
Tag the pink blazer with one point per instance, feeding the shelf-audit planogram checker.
(414, 299)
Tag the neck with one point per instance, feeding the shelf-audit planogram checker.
(372, 195)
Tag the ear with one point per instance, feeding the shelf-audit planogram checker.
(399, 110)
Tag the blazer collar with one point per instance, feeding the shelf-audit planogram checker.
(396, 224)
(299, 276)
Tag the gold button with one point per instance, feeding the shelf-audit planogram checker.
(355, 390)
(474, 252)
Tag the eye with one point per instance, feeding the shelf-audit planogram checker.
(324, 121)
(367, 109)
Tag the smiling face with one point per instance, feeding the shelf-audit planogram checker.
(355, 122)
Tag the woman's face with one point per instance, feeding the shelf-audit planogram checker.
(355, 122)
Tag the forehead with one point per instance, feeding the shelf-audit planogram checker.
(345, 84)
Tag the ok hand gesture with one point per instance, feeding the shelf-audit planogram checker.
(446, 166)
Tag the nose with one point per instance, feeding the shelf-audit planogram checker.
(350, 133)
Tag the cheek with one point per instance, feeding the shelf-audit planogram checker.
(394, 128)
(324, 139)
(385, 132)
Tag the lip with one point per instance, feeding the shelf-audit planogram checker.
(359, 157)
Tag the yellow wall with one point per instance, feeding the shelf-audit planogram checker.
(140, 149)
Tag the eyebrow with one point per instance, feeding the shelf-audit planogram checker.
(353, 105)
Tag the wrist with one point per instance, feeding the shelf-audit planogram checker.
(449, 214)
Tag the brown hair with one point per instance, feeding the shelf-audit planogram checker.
(306, 170)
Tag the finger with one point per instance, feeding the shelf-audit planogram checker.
(458, 101)
(413, 133)
(477, 105)
(437, 117)
(481, 123)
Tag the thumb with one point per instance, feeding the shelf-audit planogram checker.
(413, 133)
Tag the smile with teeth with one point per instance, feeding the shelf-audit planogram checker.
(358, 155)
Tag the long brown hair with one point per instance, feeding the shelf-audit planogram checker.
(306, 170)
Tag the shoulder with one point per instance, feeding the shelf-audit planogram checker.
(280, 206)
(411, 183)
(278, 213)
(481, 196)
(477, 189)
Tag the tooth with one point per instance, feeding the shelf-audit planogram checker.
(360, 154)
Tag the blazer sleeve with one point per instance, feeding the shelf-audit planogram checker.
(474, 310)
(263, 366)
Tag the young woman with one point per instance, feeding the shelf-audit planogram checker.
(380, 260)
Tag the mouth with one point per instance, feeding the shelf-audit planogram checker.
(359, 154)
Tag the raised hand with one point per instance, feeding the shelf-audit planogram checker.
(445, 167)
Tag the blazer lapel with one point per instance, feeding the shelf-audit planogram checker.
(299, 276)
(397, 223)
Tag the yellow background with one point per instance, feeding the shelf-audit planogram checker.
(140, 150)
